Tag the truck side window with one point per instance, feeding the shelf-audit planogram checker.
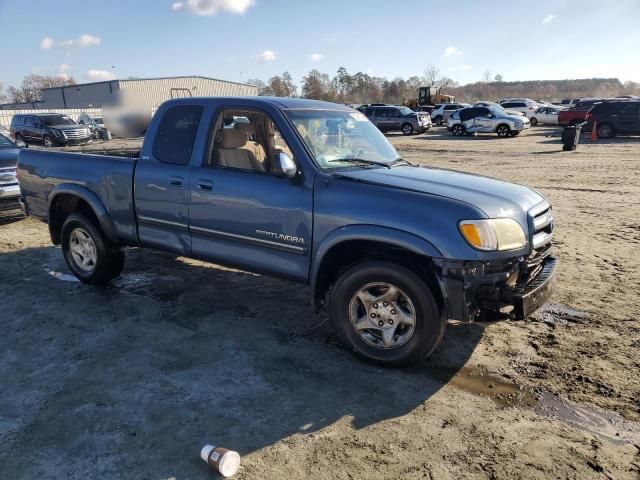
(28, 121)
(245, 140)
(176, 133)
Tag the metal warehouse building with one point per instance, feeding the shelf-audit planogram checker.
(153, 91)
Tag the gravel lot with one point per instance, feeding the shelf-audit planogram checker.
(131, 380)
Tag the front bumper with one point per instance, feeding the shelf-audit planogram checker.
(513, 288)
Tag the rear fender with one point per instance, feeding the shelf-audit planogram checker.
(96, 205)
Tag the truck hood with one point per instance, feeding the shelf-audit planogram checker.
(8, 157)
(494, 197)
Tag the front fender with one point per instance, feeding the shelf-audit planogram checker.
(98, 208)
(372, 233)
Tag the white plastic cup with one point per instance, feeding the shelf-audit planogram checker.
(227, 462)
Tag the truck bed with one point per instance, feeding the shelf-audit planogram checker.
(109, 177)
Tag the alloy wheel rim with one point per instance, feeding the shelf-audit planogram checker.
(382, 315)
(83, 250)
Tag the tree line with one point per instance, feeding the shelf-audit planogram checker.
(30, 89)
(360, 87)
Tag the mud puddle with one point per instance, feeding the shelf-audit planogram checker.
(602, 423)
(479, 382)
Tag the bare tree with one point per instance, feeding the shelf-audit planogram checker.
(31, 86)
(3, 96)
(486, 76)
(433, 75)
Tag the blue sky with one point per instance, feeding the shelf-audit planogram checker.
(242, 39)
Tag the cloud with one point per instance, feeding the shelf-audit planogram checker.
(548, 19)
(461, 68)
(63, 70)
(266, 56)
(47, 43)
(83, 41)
(99, 75)
(212, 7)
(316, 57)
(452, 51)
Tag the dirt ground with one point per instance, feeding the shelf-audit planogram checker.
(131, 380)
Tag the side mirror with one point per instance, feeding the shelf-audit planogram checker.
(286, 164)
(21, 144)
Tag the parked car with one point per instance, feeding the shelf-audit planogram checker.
(545, 115)
(440, 113)
(526, 100)
(312, 192)
(615, 117)
(50, 129)
(393, 118)
(578, 113)
(94, 122)
(523, 106)
(569, 102)
(486, 120)
(497, 105)
(9, 188)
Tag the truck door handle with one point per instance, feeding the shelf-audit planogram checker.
(175, 181)
(205, 185)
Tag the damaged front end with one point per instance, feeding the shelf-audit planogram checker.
(506, 288)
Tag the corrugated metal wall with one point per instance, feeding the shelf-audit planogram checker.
(88, 95)
(7, 115)
(156, 91)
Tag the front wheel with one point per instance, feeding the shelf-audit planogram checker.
(457, 130)
(48, 143)
(385, 313)
(407, 129)
(605, 131)
(88, 252)
(503, 130)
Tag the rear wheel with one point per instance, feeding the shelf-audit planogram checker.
(385, 313)
(534, 121)
(438, 120)
(605, 131)
(407, 129)
(503, 130)
(88, 252)
(457, 130)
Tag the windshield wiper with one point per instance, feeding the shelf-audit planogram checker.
(400, 161)
(360, 160)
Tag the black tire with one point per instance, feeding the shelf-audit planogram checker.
(457, 130)
(109, 258)
(605, 130)
(407, 128)
(534, 121)
(47, 141)
(503, 130)
(429, 320)
(438, 120)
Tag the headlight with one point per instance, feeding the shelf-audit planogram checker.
(493, 234)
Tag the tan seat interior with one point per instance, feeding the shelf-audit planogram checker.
(236, 151)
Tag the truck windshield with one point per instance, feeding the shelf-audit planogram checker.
(51, 120)
(337, 138)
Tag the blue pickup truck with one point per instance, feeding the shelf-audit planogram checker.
(312, 192)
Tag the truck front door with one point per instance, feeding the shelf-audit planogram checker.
(242, 212)
(161, 183)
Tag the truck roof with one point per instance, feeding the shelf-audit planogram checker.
(282, 103)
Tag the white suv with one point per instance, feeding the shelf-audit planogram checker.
(440, 113)
(523, 105)
(486, 120)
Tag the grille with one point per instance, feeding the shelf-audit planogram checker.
(542, 228)
(73, 133)
(9, 207)
(8, 177)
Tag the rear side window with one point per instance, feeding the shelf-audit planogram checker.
(176, 133)
(16, 121)
(629, 108)
(28, 121)
(382, 112)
